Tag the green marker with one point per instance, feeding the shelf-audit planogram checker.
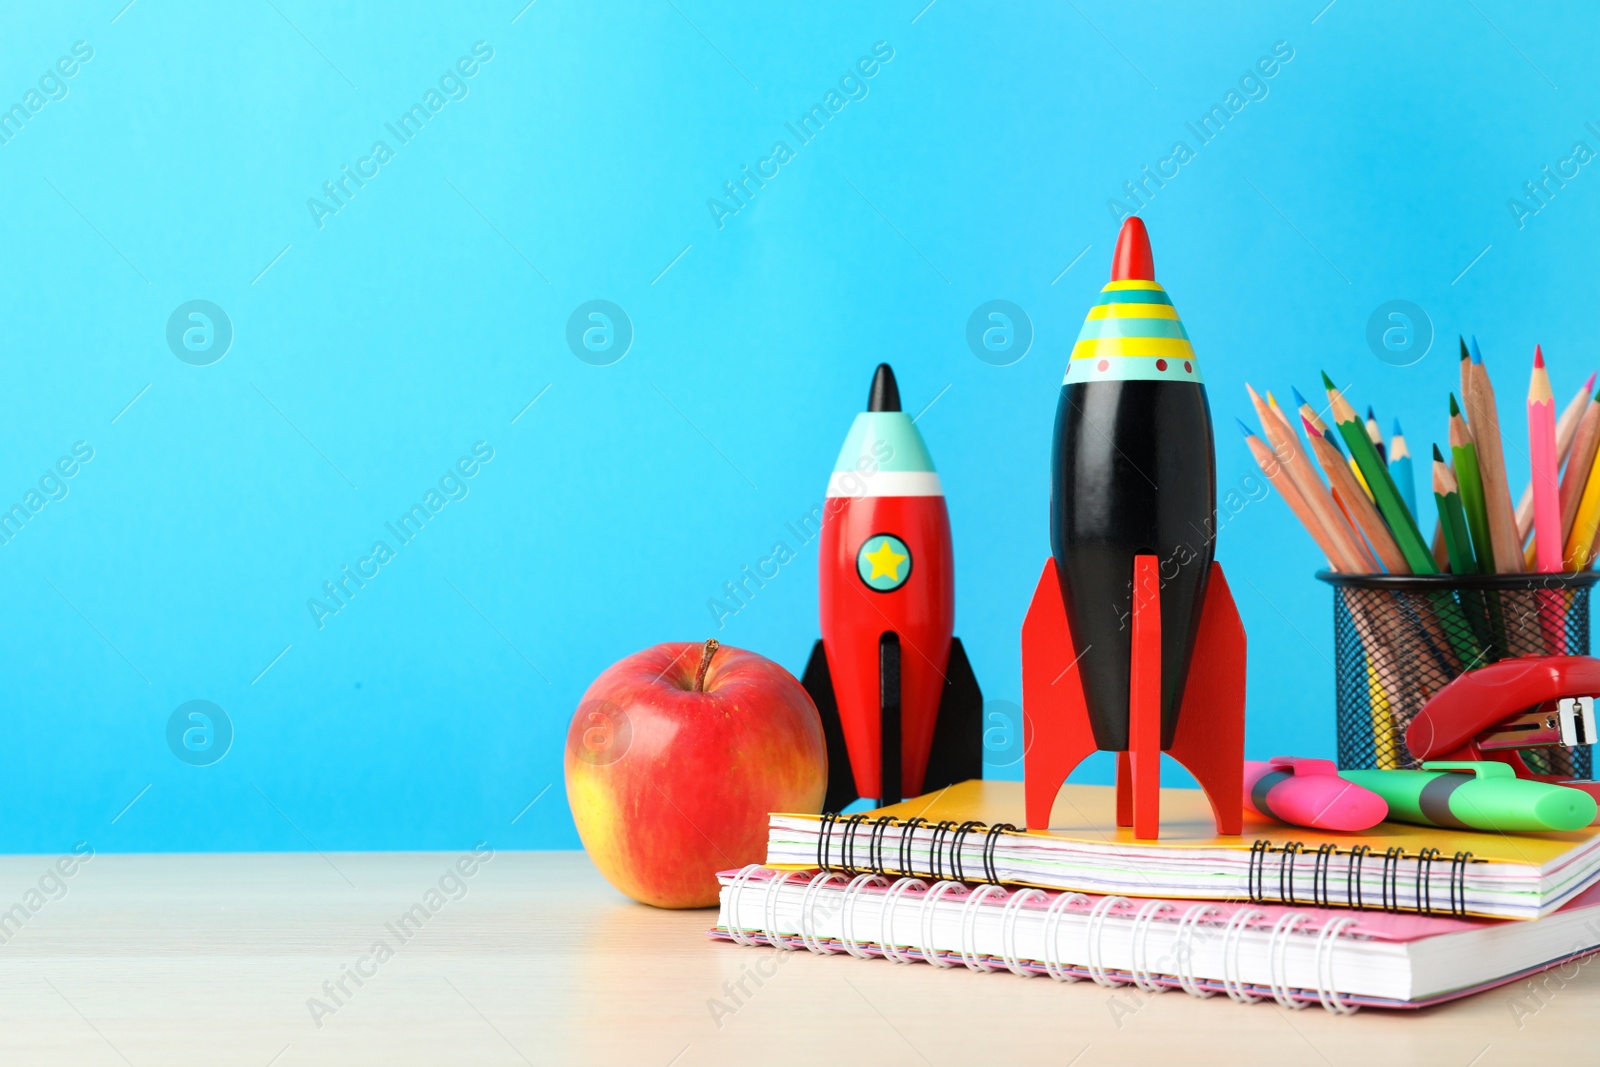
(1489, 797)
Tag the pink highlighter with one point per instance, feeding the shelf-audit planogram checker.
(1309, 792)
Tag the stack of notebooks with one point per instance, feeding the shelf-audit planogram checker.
(1396, 917)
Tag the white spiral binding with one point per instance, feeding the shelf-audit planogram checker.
(1052, 935)
(769, 911)
(969, 915)
(891, 951)
(1097, 922)
(925, 917)
(1277, 951)
(1139, 969)
(1008, 929)
(1327, 993)
(1230, 954)
(735, 890)
(847, 912)
(808, 936)
(1183, 949)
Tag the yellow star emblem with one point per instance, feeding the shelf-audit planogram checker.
(885, 562)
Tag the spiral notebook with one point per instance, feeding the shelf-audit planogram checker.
(968, 832)
(1297, 956)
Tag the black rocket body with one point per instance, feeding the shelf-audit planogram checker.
(1133, 472)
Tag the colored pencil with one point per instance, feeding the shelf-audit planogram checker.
(1485, 422)
(1376, 435)
(1353, 557)
(1384, 493)
(1566, 435)
(1470, 480)
(1355, 502)
(1400, 469)
(1579, 463)
(1447, 496)
(1579, 550)
(1545, 475)
(1279, 478)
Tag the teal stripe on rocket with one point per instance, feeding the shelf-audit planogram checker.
(1134, 296)
(1096, 328)
(888, 439)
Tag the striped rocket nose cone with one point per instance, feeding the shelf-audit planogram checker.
(1133, 334)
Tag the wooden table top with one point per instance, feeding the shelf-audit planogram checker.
(532, 958)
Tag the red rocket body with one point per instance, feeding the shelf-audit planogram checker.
(901, 709)
(855, 619)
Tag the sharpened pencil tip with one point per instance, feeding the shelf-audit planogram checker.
(1245, 426)
(1455, 409)
(1397, 431)
(1300, 401)
(1588, 386)
(1327, 382)
(1465, 355)
(1538, 357)
(1477, 353)
(1438, 457)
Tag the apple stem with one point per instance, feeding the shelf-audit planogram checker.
(705, 665)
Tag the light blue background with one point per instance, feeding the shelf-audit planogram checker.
(371, 353)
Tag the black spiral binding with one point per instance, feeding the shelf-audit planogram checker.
(1319, 875)
(1352, 877)
(936, 848)
(991, 839)
(947, 836)
(1322, 892)
(1289, 857)
(848, 845)
(908, 833)
(957, 867)
(950, 835)
(1256, 874)
(1458, 883)
(824, 839)
(1390, 879)
(880, 828)
(1425, 860)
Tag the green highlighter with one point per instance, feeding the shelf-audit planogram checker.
(1488, 797)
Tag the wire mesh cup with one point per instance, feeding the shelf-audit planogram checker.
(1398, 640)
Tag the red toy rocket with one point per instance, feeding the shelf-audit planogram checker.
(900, 707)
(1132, 643)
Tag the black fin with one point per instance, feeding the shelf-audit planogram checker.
(957, 752)
(819, 684)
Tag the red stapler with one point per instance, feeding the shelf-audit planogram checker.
(1502, 710)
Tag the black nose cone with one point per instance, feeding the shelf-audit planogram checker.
(885, 395)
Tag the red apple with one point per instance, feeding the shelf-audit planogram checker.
(674, 758)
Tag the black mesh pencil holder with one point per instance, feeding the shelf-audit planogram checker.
(1399, 639)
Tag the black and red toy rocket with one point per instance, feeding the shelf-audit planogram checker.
(1132, 643)
(900, 707)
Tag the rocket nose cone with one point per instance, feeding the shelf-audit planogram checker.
(885, 395)
(1132, 260)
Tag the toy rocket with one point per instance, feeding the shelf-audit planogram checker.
(1132, 643)
(900, 707)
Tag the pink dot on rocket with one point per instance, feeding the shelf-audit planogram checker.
(1105, 364)
(1161, 364)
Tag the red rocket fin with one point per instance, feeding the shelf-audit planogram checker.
(1132, 260)
(1056, 735)
(1210, 738)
